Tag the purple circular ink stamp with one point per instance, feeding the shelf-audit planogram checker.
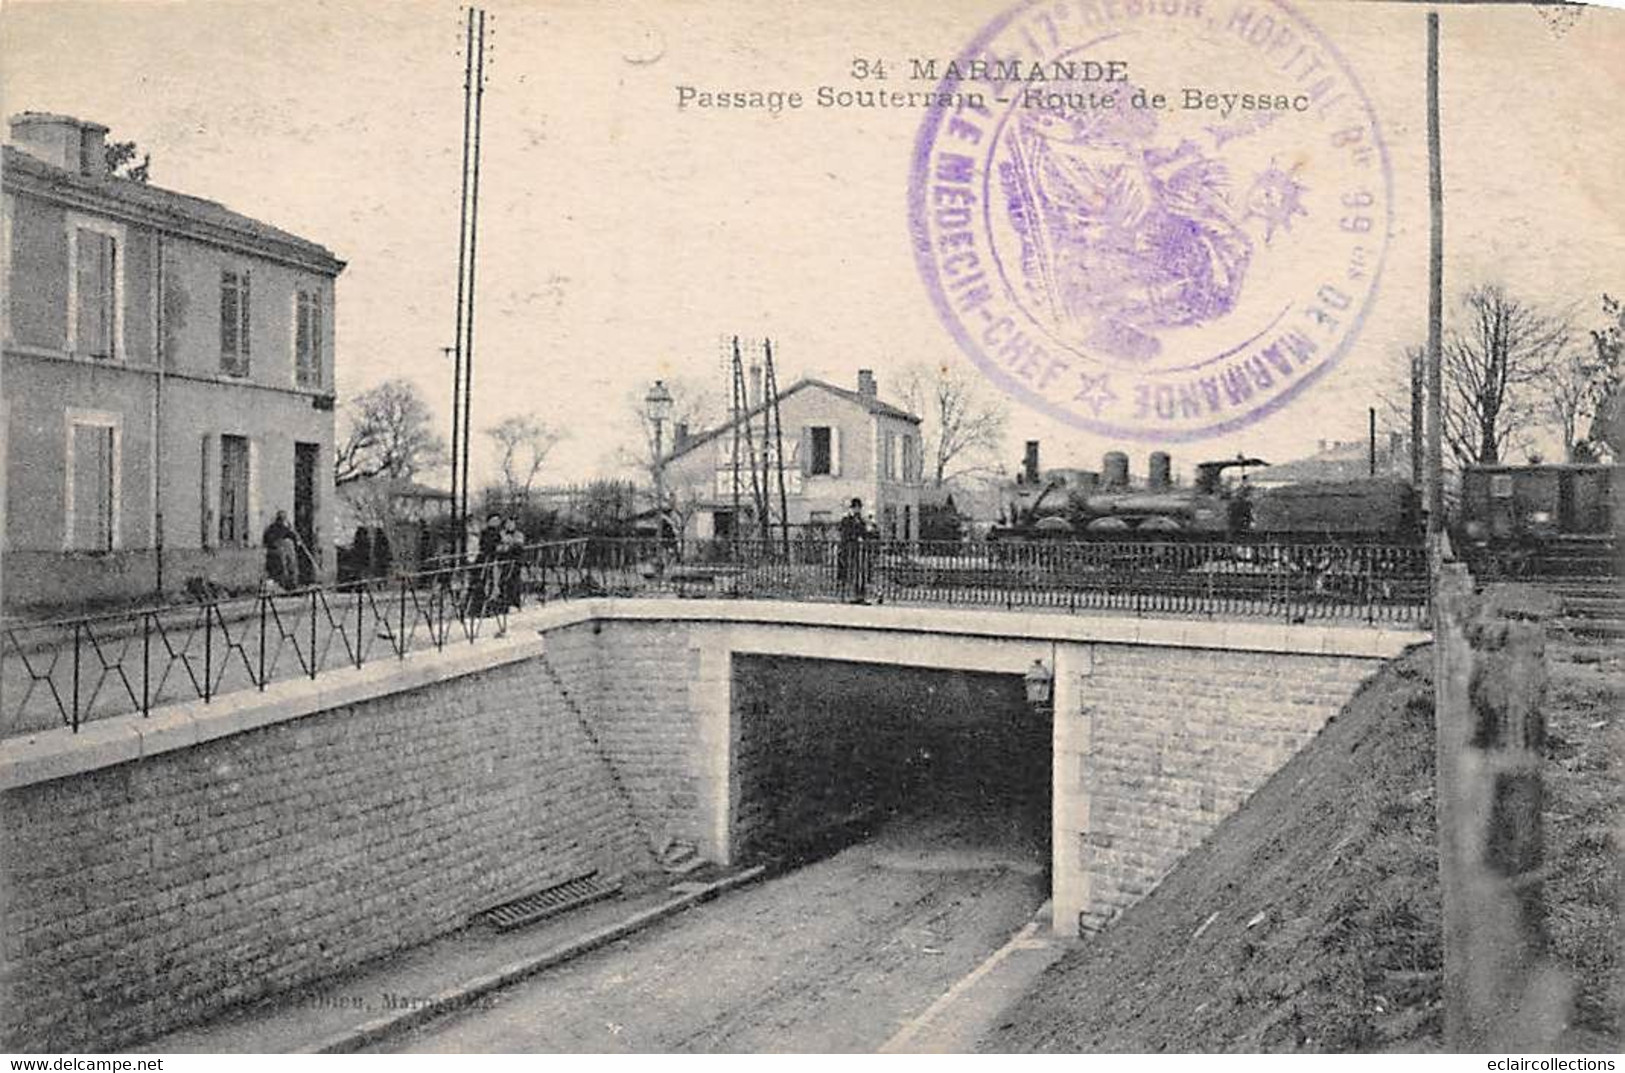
(1152, 219)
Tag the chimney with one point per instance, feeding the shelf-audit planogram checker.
(866, 383)
(62, 141)
(1029, 463)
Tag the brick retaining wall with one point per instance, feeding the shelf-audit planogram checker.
(1159, 745)
(149, 894)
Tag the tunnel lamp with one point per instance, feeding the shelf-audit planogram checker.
(1040, 682)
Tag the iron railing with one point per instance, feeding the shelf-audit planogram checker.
(1296, 582)
(68, 672)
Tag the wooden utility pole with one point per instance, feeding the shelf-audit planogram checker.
(473, 248)
(459, 526)
(772, 381)
(1435, 378)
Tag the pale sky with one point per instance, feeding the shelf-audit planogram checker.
(620, 238)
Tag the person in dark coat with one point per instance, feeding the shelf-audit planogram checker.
(510, 553)
(484, 581)
(281, 552)
(850, 567)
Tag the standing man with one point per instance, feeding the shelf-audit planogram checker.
(850, 567)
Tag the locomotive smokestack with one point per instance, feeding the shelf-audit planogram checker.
(1158, 476)
(1029, 463)
(1114, 470)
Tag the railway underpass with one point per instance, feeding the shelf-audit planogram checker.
(886, 757)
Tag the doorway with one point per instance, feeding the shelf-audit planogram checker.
(305, 459)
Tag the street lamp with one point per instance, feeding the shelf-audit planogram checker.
(657, 407)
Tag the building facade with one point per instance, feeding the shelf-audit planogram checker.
(168, 373)
(839, 444)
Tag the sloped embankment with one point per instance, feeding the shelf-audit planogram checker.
(1308, 921)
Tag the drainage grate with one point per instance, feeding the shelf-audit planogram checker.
(581, 890)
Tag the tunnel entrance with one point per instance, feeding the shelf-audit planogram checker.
(940, 768)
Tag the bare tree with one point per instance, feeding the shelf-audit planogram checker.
(695, 405)
(523, 443)
(963, 421)
(1607, 402)
(121, 161)
(1489, 363)
(390, 433)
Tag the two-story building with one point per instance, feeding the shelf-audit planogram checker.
(168, 374)
(839, 444)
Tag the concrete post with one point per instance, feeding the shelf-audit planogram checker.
(1500, 991)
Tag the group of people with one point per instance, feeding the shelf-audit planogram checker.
(500, 554)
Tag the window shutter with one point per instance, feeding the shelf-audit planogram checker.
(208, 490)
(835, 450)
(251, 537)
(806, 451)
(242, 331)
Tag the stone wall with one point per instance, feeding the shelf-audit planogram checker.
(633, 680)
(148, 894)
(1155, 746)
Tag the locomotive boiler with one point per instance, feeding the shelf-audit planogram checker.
(1222, 502)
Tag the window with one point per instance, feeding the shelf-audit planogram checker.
(822, 462)
(95, 288)
(307, 338)
(234, 487)
(91, 517)
(234, 326)
(911, 458)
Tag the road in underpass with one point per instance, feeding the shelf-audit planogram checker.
(840, 955)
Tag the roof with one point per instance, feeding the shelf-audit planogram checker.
(414, 490)
(1343, 462)
(144, 203)
(868, 402)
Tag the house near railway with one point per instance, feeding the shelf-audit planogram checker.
(839, 444)
(168, 370)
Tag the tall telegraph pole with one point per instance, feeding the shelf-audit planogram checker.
(462, 384)
(1435, 470)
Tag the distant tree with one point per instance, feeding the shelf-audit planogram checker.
(1608, 383)
(695, 405)
(389, 433)
(522, 443)
(963, 420)
(1489, 366)
(122, 163)
(607, 508)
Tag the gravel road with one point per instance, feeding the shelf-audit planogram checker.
(836, 956)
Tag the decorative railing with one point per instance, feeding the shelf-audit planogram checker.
(1293, 582)
(69, 672)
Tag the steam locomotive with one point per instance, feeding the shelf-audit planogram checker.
(1223, 502)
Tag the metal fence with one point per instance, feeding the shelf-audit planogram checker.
(1294, 582)
(68, 672)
